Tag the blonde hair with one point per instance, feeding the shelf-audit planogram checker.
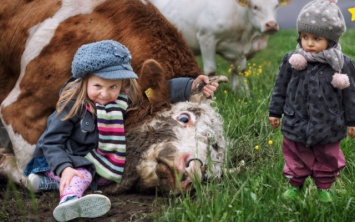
(76, 91)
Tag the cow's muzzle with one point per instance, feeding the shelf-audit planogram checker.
(203, 167)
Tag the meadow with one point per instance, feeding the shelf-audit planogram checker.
(253, 193)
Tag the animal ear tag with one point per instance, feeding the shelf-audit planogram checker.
(284, 2)
(149, 93)
(243, 3)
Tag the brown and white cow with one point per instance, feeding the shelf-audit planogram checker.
(38, 41)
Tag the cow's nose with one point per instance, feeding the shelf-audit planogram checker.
(271, 26)
(195, 167)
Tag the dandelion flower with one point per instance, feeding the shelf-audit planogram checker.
(270, 142)
(257, 147)
(225, 92)
(229, 70)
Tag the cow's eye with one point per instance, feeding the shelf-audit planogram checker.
(184, 118)
(256, 8)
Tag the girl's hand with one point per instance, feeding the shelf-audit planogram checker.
(208, 89)
(67, 175)
(351, 132)
(274, 121)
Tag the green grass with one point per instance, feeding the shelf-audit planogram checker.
(253, 194)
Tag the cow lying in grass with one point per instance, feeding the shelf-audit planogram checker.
(163, 140)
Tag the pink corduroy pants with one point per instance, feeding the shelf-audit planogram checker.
(321, 162)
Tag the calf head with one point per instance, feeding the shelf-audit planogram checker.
(179, 145)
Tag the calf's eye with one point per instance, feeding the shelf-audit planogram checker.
(184, 118)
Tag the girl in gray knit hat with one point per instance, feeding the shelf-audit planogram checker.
(84, 142)
(314, 92)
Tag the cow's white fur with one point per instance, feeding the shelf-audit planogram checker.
(224, 27)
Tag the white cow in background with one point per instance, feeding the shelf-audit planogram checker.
(234, 29)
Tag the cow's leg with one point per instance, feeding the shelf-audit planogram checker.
(9, 169)
(239, 81)
(208, 51)
(19, 130)
(13, 162)
(4, 138)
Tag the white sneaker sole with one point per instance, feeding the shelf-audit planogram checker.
(90, 206)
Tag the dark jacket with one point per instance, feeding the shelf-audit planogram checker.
(65, 143)
(314, 112)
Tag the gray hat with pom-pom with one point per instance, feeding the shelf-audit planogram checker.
(322, 18)
(107, 59)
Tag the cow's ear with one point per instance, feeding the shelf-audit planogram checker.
(284, 2)
(243, 3)
(153, 83)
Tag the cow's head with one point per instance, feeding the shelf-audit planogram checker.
(262, 14)
(183, 143)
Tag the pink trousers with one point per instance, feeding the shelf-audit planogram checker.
(321, 162)
(77, 185)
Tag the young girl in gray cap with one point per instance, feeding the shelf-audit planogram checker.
(68, 156)
(314, 91)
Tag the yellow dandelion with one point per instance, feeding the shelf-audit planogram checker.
(229, 70)
(270, 142)
(257, 147)
(225, 92)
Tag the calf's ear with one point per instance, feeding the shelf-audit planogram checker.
(284, 2)
(153, 83)
(243, 3)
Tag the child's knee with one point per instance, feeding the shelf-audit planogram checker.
(86, 174)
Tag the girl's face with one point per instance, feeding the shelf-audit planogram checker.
(103, 91)
(313, 43)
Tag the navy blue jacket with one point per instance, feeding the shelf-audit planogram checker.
(314, 112)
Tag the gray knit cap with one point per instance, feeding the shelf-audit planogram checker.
(107, 59)
(322, 18)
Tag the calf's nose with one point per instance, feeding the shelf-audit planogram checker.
(195, 168)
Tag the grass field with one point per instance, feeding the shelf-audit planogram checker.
(253, 194)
